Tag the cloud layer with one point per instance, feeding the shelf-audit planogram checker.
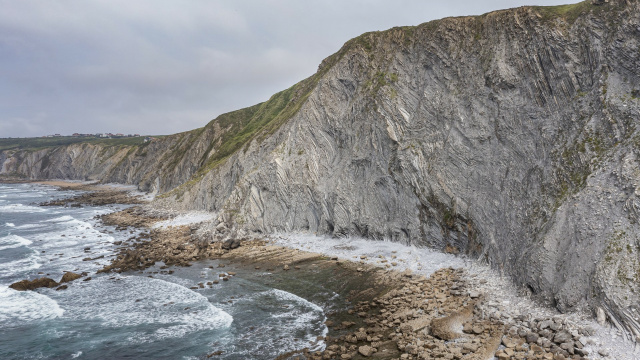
(160, 67)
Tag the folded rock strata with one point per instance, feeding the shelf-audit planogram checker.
(511, 137)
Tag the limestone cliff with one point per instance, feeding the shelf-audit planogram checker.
(511, 137)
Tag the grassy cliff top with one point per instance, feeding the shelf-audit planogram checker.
(42, 143)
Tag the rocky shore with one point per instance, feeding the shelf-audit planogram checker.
(398, 315)
(390, 314)
(95, 195)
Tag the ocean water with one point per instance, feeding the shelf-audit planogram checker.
(134, 315)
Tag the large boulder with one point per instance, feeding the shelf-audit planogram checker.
(69, 276)
(34, 284)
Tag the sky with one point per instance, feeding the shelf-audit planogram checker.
(158, 67)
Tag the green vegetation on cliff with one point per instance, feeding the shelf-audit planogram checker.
(43, 143)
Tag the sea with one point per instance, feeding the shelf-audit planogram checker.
(136, 315)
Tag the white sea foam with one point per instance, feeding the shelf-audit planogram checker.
(29, 226)
(20, 208)
(287, 296)
(420, 260)
(10, 224)
(60, 219)
(13, 241)
(75, 355)
(301, 315)
(186, 219)
(21, 306)
(19, 266)
(292, 317)
(135, 301)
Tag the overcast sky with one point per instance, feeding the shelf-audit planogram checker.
(160, 67)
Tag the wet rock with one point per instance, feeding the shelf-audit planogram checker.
(215, 353)
(63, 287)
(34, 284)
(69, 276)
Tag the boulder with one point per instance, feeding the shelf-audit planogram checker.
(562, 337)
(69, 276)
(365, 350)
(231, 244)
(34, 284)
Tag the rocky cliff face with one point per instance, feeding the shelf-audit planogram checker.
(511, 137)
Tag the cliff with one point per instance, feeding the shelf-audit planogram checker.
(511, 137)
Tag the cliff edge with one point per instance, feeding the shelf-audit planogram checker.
(511, 137)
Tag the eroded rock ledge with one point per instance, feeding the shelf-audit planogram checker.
(407, 317)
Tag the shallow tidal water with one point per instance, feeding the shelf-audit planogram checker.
(146, 315)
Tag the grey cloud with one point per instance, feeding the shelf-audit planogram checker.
(167, 66)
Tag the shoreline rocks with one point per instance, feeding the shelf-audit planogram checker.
(69, 276)
(443, 316)
(25, 285)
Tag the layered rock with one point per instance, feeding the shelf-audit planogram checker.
(511, 137)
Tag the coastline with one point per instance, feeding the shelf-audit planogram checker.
(394, 312)
(388, 309)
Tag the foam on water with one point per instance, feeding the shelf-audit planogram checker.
(10, 224)
(21, 306)
(25, 265)
(13, 241)
(28, 226)
(60, 219)
(134, 301)
(303, 313)
(20, 208)
(297, 322)
(287, 296)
